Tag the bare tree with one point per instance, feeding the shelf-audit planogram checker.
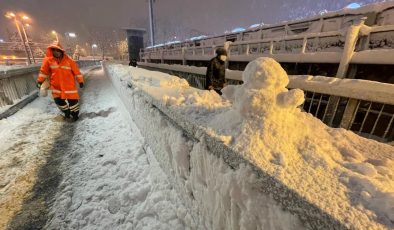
(106, 39)
(123, 48)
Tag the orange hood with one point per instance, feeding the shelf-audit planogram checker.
(55, 45)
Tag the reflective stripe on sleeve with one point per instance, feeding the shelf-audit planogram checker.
(58, 91)
(72, 91)
(79, 76)
(43, 75)
(54, 66)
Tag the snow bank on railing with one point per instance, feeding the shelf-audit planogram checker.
(344, 175)
(350, 88)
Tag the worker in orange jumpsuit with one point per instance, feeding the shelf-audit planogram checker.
(63, 74)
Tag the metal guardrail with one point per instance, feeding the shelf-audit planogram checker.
(325, 47)
(16, 84)
(365, 107)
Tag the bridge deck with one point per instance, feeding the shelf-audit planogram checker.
(93, 173)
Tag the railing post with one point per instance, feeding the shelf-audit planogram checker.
(348, 51)
(349, 113)
(271, 47)
(226, 46)
(305, 41)
(183, 55)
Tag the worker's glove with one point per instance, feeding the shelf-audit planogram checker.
(81, 85)
(39, 85)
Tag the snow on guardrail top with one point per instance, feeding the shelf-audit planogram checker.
(351, 88)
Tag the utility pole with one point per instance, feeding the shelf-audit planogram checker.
(11, 15)
(28, 44)
(23, 41)
(152, 23)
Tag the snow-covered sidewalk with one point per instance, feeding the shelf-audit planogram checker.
(107, 176)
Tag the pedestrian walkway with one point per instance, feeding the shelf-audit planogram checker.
(96, 173)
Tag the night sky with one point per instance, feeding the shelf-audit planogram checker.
(173, 17)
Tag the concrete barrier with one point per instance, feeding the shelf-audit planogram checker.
(221, 188)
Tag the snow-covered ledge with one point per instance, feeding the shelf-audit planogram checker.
(255, 161)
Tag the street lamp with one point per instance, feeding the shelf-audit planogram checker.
(11, 15)
(55, 33)
(72, 35)
(93, 46)
(151, 23)
(24, 17)
(71, 42)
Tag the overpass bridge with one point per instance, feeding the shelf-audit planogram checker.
(152, 152)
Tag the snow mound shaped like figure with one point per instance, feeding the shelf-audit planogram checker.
(296, 147)
(267, 112)
(264, 90)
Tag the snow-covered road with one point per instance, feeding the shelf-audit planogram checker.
(96, 173)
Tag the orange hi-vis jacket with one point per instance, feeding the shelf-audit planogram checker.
(62, 75)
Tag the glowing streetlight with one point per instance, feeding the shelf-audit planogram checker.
(55, 33)
(72, 35)
(93, 47)
(11, 15)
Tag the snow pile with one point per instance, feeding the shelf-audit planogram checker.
(345, 175)
(218, 196)
(260, 106)
(267, 127)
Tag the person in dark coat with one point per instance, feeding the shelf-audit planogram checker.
(133, 63)
(215, 77)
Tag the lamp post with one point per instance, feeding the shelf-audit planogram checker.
(11, 15)
(71, 41)
(24, 17)
(151, 23)
(93, 46)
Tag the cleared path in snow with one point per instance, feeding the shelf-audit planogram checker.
(96, 173)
